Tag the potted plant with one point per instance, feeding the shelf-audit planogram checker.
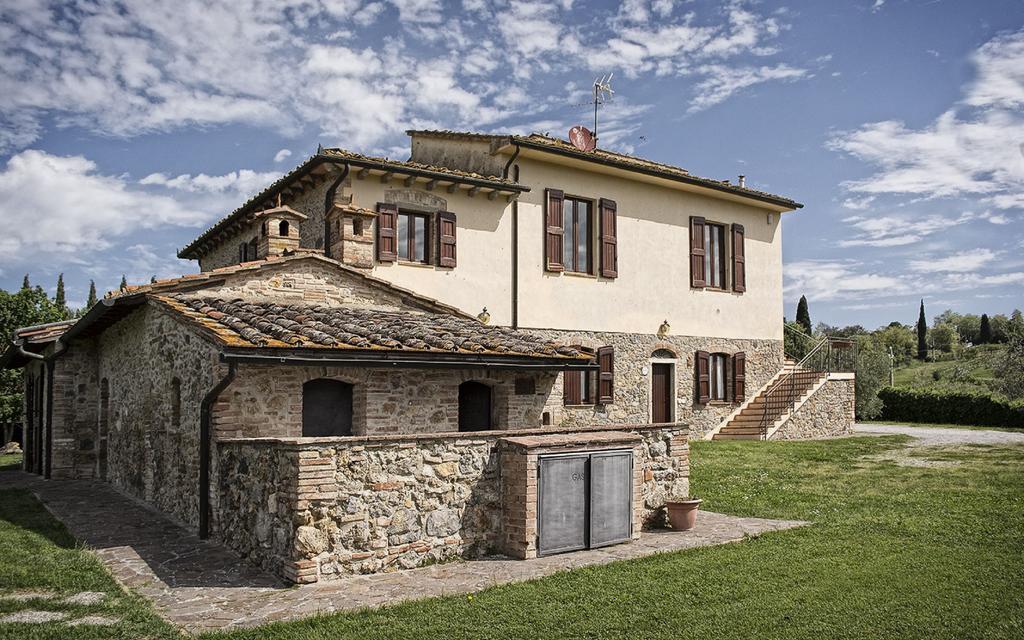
(682, 512)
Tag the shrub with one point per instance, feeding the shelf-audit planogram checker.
(912, 405)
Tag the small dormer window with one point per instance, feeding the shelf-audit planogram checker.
(282, 229)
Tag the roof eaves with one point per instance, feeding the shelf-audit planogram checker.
(658, 170)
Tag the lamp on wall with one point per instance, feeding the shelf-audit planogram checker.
(483, 316)
(664, 329)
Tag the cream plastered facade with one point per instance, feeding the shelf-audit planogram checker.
(653, 283)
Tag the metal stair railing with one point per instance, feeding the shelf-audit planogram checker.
(828, 355)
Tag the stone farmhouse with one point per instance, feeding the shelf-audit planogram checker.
(501, 345)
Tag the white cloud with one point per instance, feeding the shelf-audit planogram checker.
(63, 205)
(242, 183)
(859, 204)
(830, 280)
(282, 155)
(894, 231)
(721, 81)
(972, 150)
(877, 6)
(962, 262)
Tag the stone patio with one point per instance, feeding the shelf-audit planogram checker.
(200, 585)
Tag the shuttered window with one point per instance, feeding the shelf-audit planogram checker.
(739, 260)
(739, 377)
(609, 238)
(413, 238)
(387, 220)
(577, 388)
(446, 239)
(698, 278)
(714, 255)
(606, 375)
(703, 374)
(576, 237)
(554, 229)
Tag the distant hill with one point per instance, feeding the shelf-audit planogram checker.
(974, 371)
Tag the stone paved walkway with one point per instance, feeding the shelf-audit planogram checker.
(200, 585)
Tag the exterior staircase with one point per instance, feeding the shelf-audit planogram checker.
(765, 413)
(760, 415)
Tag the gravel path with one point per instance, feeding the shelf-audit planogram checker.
(938, 436)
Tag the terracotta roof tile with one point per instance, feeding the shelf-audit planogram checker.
(41, 333)
(266, 324)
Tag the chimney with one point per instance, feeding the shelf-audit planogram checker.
(743, 181)
(351, 232)
(279, 231)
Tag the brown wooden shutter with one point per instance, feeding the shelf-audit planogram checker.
(572, 391)
(698, 279)
(739, 377)
(387, 241)
(446, 239)
(554, 230)
(606, 375)
(703, 377)
(609, 238)
(739, 260)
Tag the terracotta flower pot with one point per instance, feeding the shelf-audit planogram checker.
(682, 514)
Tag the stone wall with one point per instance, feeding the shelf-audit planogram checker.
(266, 400)
(633, 386)
(150, 455)
(320, 508)
(827, 412)
(75, 403)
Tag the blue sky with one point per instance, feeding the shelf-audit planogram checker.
(127, 127)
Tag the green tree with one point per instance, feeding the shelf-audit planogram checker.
(60, 299)
(985, 331)
(922, 335)
(27, 307)
(25, 284)
(900, 339)
(92, 296)
(124, 283)
(872, 374)
(803, 315)
(1010, 368)
(945, 337)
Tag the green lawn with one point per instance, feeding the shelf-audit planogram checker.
(895, 552)
(10, 461)
(37, 553)
(969, 427)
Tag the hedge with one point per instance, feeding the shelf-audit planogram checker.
(944, 407)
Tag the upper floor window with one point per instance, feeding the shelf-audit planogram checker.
(413, 238)
(714, 255)
(578, 229)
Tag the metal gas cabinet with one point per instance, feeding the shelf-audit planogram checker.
(584, 500)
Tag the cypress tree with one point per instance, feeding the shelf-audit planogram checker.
(124, 283)
(92, 295)
(60, 299)
(985, 336)
(25, 284)
(803, 316)
(922, 335)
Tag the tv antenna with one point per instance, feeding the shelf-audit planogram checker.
(602, 93)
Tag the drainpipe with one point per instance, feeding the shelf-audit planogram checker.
(328, 201)
(48, 364)
(205, 419)
(515, 237)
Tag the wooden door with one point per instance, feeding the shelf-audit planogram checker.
(661, 392)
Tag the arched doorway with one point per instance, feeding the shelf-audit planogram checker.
(474, 406)
(326, 408)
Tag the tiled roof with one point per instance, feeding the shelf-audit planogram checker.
(43, 332)
(240, 323)
(620, 160)
(341, 155)
(198, 280)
